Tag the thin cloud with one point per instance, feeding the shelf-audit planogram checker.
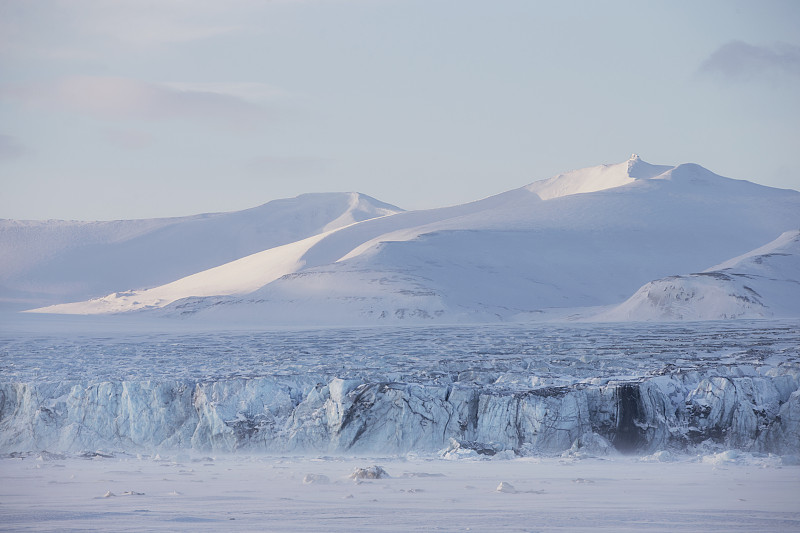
(10, 147)
(740, 61)
(84, 30)
(251, 92)
(163, 22)
(148, 31)
(129, 139)
(81, 30)
(112, 98)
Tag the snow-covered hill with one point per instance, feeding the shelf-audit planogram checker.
(56, 261)
(584, 238)
(764, 283)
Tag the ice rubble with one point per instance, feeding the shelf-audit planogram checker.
(735, 407)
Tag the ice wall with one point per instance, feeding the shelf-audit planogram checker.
(731, 406)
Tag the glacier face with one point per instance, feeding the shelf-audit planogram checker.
(530, 390)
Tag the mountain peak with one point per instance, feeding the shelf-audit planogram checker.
(638, 168)
(634, 162)
(599, 178)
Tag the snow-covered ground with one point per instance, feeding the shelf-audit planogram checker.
(728, 491)
(763, 283)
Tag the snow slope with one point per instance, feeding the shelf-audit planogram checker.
(55, 261)
(237, 277)
(596, 178)
(585, 238)
(763, 283)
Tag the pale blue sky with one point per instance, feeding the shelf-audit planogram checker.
(136, 109)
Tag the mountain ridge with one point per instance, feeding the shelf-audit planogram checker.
(511, 256)
(62, 260)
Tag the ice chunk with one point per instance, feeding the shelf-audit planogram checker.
(371, 472)
(506, 487)
(316, 479)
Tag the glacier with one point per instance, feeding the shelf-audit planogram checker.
(520, 390)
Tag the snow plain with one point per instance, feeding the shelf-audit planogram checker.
(726, 492)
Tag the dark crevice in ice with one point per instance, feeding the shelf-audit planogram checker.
(629, 436)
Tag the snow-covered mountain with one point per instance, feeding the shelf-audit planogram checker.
(764, 283)
(585, 238)
(55, 260)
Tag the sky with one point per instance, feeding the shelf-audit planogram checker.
(138, 109)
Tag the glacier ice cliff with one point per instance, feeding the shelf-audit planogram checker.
(733, 406)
